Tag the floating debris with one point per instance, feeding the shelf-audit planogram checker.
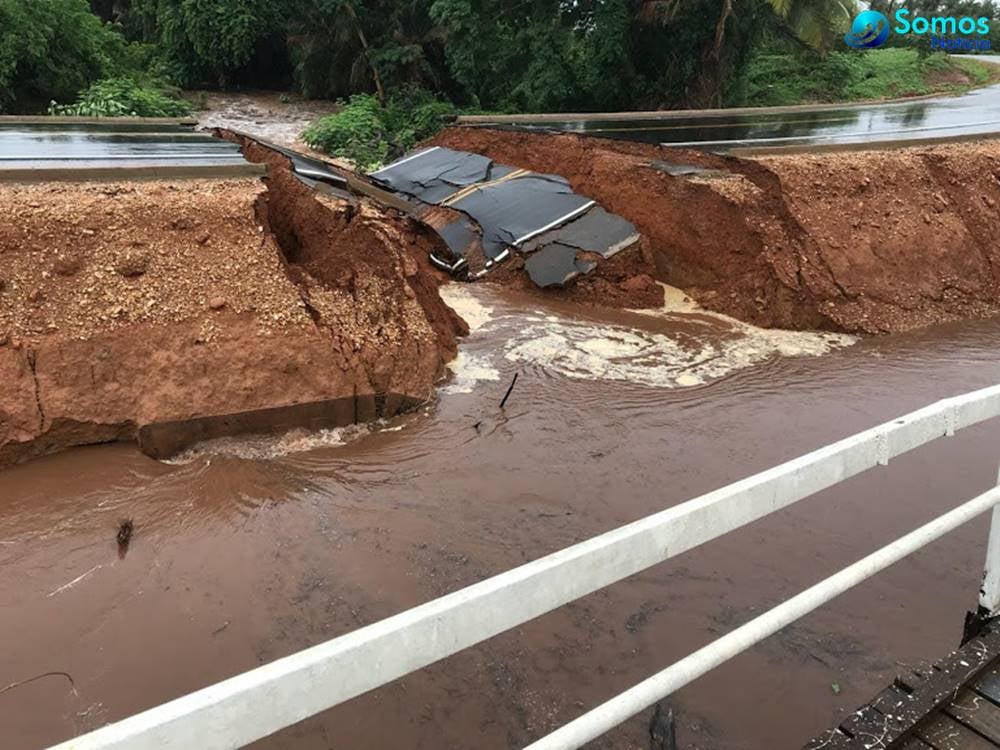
(509, 389)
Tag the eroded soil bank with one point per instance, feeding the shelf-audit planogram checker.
(169, 312)
(869, 242)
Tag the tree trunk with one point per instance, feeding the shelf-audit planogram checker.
(720, 27)
(707, 88)
(364, 45)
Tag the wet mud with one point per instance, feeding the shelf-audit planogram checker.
(870, 242)
(625, 281)
(245, 550)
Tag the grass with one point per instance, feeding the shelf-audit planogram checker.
(980, 73)
(783, 79)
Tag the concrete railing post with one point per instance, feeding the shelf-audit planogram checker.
(989, 594)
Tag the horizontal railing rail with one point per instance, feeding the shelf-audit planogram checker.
(612, 713)
(257, 703)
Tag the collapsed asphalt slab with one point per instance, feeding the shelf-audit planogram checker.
(483, 225)
(496, 208)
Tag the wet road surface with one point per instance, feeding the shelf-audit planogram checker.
(977, 112)
(245, 552)
(111, 144)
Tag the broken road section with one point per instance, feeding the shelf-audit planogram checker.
(494, 209)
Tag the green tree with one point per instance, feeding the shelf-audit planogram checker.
(52, 49)
(110, 10)
(605, 33)
(330, 43)
(546, 55)
(410, 47)
(695, 50)
(818, 23)
(202, 39)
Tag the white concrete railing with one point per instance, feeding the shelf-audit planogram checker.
(255, 704)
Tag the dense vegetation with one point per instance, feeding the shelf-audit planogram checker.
(371, 132)
(492, 54)
(403, 63)
(52, 49)
(774, 79)
(123, 97)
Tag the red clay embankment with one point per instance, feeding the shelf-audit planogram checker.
(167, 312)
(872, 242)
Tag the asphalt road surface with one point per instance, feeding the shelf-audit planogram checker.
(974, 113)
(111, 144)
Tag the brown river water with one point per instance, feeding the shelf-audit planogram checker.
(248, 550)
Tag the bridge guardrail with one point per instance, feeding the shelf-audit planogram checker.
(257, 703)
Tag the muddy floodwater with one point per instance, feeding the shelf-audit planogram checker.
(248, 550)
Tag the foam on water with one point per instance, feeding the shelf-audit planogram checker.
(780, 341)
(468, 370)
(581, 349)
(460, 299)
(264, 447)
(610, 352)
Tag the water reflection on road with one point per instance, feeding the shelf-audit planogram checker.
(976, 112)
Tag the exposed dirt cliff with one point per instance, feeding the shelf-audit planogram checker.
(863, 242)
(167, 312)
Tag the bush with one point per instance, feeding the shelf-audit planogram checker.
(122, 97)
(780, 79)
(412, 115)
(371, 134)
(51, 49)
(795, 78)
(357, 132)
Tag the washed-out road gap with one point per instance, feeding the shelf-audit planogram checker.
(592, 444)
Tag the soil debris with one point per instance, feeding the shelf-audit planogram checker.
(124, 536)
(662, 729)
(169, 312)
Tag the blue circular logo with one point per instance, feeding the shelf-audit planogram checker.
(869, 29)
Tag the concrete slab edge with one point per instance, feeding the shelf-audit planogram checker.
(66, 120)
(828, 148)
(111, 174)
(675, 114)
